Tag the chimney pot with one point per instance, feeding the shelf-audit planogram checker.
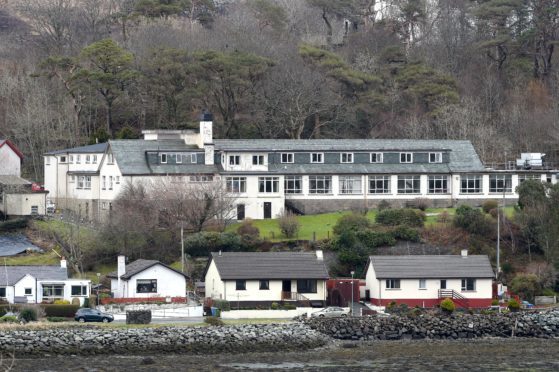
(319, 255)
(63, 263)
(220, 252)
(464, 253)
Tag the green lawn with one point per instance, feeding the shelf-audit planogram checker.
(49, 258)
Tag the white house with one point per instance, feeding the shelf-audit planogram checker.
(10, 159)
(425, 280)
(260, 278)
(36, 284)
(146, 279)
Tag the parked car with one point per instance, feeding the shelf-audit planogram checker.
(92, 315)
(331, 312)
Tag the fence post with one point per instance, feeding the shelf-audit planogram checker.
(314, 236)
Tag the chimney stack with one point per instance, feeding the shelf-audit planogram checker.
(319, 255)
(464, 253)
(120, 271)
(206, 140)
(63, 263)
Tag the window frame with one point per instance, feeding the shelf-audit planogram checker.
(506, 187)
(351, 181)
(379, 157)
(81, 291)
(230, 182)
(51, 291)
(178, 158)
(405, 157)
(110, 182)
(290, 157)
(3, 289)
(469, 179)
(240, 285)
(149, 283)
(319, 157)
(234, 160)
(28, 291)
(529, 177)
(292, 181)
(392, 284)
(386, 181)
(268, 185)
(193, 158)
(438, 157)
(422, 284)
(266, 286)
(88, 159)
(163, 158)
(260, 160)
(349, 157)
(326, 188)
(307, 286)
(63, 159)
(465, 285)
(405, 179)
(443, 189)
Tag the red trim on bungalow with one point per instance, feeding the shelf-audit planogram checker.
(431, 302)
(105, 301)
(13, 147)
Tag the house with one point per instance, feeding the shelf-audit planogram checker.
(266, 176)
(37, 284)
(261, 278)
(18, 197)
(145, 279)
(425, 280)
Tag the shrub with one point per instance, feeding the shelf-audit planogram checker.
(63, 302)
(57, 319)
(288, 224)
(513, 305)
(472, 220)
(421, 203)
(248, 229)
(373, 239)
(8, 319)
(525, 285)
(274, 306)
(202, 244)
(395, 217)
(66, 311)
(495, 302)
(443, 217)
(507, 268)
(448, 305)
(489, 205)
(75, 301)
(406, 233)
(90, 302)
(351, 223)
(289, 306)
(222, 305)
(28, 314)
(213, 321)
(20, 223)
(384, 204)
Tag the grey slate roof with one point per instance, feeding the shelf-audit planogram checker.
(431, 267)
(11, 245)
(13, 180)
(138, 266)
(373, 168)
(97, 148)
(130, 156)
(10, 275)
(269, 265)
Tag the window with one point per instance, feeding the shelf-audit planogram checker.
(317, 157)
(293, 185)
(306, 286)
(104, 205)
(94, 159)
(79, 290)
(234, 160)
(392, 283)
(104, 183)
(470, 184)
(350, 185)
(2, 292)
(438, 185)
(28, 291)
(84, 182)
(346, 157)
(435, 157)
(268, 184)
(111, 159)
(110, 182)
(526, 177)
(379, 184)
(240, 285)
(236, 184)
(193, 158)
(443, 283)
(406, 157)
(87, 159)
(376, 157)
(117, 180)
(146, 285)
(408, 184)
(258, 160)
(320, 184)
(34, 209)
(422, 284)
(78, 160)
(63, 159)
(163, 158)
(468, 284)
(264, 285)
(52, 291)
(500, 183)
(178, 158)
(287, 157)
(201, 178)
(71, 158)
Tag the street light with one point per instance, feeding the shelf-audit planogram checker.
(352, 273)
(98, 284)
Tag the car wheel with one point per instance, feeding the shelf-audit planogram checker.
(321, 316)
(81, 320)
(105, 320)
(343, 315)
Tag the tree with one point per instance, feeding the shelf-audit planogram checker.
(161, 8)
(268, 14)
(108, 68)
(335, 9)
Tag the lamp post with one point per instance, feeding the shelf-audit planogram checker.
(98, 284)
(352, 273)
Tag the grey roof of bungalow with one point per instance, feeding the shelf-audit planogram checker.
(138, 266)
(10, 275)
(97, 148)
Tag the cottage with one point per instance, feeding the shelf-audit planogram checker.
(261, 278)
(37, 284)
(425, 280)
(146, 279)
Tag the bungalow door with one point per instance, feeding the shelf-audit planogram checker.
(267, 210)
(286, 289)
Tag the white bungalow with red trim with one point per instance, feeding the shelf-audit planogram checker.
(425, 280)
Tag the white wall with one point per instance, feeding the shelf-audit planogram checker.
(409, 289)
(214, 285)
(169, 283)
(268, 314)
(253, 293)
(20, 204)
(10, 162)
(371, 282)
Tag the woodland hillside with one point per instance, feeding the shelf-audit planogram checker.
(74, 72)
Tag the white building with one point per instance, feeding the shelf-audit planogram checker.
(267, 176)
(10, 159)
(425, 280)
(261, 278)
(146, 279)
(36, 284)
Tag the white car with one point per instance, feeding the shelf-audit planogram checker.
(331, 312)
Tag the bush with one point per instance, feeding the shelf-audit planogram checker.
(63, 302)
(213, 321)
(248, 229)
(90, 302)
(472, 220)
(57, 319)
(28, 314)
(495, 302)
(351, 223)
(288, 224)
(443, 217)
(75, 301)
(274, 306)
(406, 233)
(421, 203)
(8, 319)
(202, 244)
(489, 205)
(65, 311)
(526, 286)
(289, 307)
(507, 268)
(513, 305)
(222, 305)
(372, 239)
(384, 204)
(16, 224)
(448, 305)
(406, 217)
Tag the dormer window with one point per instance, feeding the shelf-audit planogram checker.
(87, 159)
(163, 158)
(376, 157)
(110, 159)
(435, 157)
(178, 158)
(287, 157)
(94, 159)
(193, 158)
(406, 157)
(346, 157)
(317, 157)
(78, 160)
(71, 159)
(234, 160)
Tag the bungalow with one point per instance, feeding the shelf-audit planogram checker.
(146, 279)
(261, 278)
(425, 280)
(37, 284)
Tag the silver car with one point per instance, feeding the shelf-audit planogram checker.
(331, 312)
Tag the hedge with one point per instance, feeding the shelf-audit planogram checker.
(66, 311)
(373, 239)
(19, 223)
(406, 217)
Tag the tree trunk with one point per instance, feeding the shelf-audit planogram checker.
(329, 27)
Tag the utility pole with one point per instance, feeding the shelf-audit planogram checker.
(182, 247)
(352, 273)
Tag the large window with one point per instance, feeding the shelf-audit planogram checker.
(2, 292)
(317, 157)
(293, 185)
(201, 178)
(468, 284)
(438, 184)
(376, 157)
(84, 182)
(379, 184)
(408, 184)
(236, 184)
(320, 184)
(240, 285)
(350, 185)
(500, 183)
(406, 157)
(435, 157)
(79, 290)
(526, 177)
(306, 286)
(264, 285)
(287, 157)
(268, 184)
(346, 157)
(146, 286)
(234, 159)
(52, 291)
(471, 184)
(392, 283)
